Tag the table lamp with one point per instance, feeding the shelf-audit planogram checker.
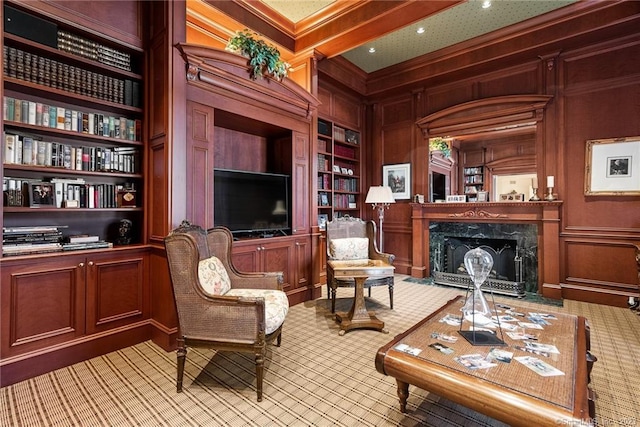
(380, 197)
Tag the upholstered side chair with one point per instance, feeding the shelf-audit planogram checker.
(219, 307)
(350, 238)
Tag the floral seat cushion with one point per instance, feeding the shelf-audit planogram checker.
(349, 248)
(213, 276)
(276, 305)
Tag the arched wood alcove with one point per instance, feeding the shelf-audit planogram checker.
(491, 118)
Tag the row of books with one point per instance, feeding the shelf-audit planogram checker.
(339, 184)
(340, 201)
(323, 182)
(345, 184)
(344, 201)
(346, 135)
(48, 72)
(323, 163)
(343, 151)
(89, 49)
(28, 150)
(54, 235)
(57, 117)
(62, 192)
(30, 240)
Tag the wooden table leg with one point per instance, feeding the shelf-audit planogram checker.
(403, 394)
(358, 316)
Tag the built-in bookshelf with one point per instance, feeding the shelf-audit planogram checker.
(473, 179)
(338, 170)
(72, 132)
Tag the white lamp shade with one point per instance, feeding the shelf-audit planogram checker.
(380, 194)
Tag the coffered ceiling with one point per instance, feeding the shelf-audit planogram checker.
(452, 25)
(352, 28)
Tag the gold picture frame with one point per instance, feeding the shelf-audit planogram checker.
(612, 167)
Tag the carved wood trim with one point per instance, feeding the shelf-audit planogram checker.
(229, 73)
(511, 164)
(486, 115)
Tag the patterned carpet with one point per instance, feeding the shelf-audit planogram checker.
(316, 378)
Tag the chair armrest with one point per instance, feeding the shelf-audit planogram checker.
(388, 258)
(241, 319)
(260, 280)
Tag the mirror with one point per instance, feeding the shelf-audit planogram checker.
(512, 184)
(504, 132)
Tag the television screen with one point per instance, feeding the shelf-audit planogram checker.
(251, 202)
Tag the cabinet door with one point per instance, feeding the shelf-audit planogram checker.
(43, 303)
(116, 290)
(322, 258)
(278, 256)
(302, 263)
(246, 256)
(265, 255)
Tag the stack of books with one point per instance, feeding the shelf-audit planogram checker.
(31, 240)
(84, 241)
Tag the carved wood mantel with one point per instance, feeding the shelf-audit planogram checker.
(546, 215)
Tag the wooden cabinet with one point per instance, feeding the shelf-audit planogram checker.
(116, 289)
(48, 301)
(73, 161)
(290, 255)
(339, 171)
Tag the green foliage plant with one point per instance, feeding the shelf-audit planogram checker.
(264, 58)
(440, 144)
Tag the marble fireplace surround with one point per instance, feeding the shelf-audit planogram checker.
(544, 215)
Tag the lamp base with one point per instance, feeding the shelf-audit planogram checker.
(482, 338)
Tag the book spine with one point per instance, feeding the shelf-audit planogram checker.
(60, 118)
(25, 112)
(9, 148)
(17, 114)
(31, 113)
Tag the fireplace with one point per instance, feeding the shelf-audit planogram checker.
(513, 248)
(530, 229)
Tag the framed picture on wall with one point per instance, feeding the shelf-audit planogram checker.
(398, 178)
(612, 167)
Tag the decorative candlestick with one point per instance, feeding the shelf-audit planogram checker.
(534, 185)
(535, 197)
(549, 197)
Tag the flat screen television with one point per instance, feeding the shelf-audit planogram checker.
(252, 203)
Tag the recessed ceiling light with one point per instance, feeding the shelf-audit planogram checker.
(372, 50)
(486, 4)
(420, 30)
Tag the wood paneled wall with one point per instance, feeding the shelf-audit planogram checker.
(596, 93)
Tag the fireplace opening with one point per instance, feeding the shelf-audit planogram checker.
(507, 264)
(512, 247)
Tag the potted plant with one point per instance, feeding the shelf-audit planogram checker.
(264, 58)
(440, 144)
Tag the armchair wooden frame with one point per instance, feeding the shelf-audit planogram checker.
(227, 323)
(346, 227)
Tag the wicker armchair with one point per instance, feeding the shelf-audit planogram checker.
(219, 307)
(342, 230)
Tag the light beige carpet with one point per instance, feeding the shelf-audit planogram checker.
(316, 378)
